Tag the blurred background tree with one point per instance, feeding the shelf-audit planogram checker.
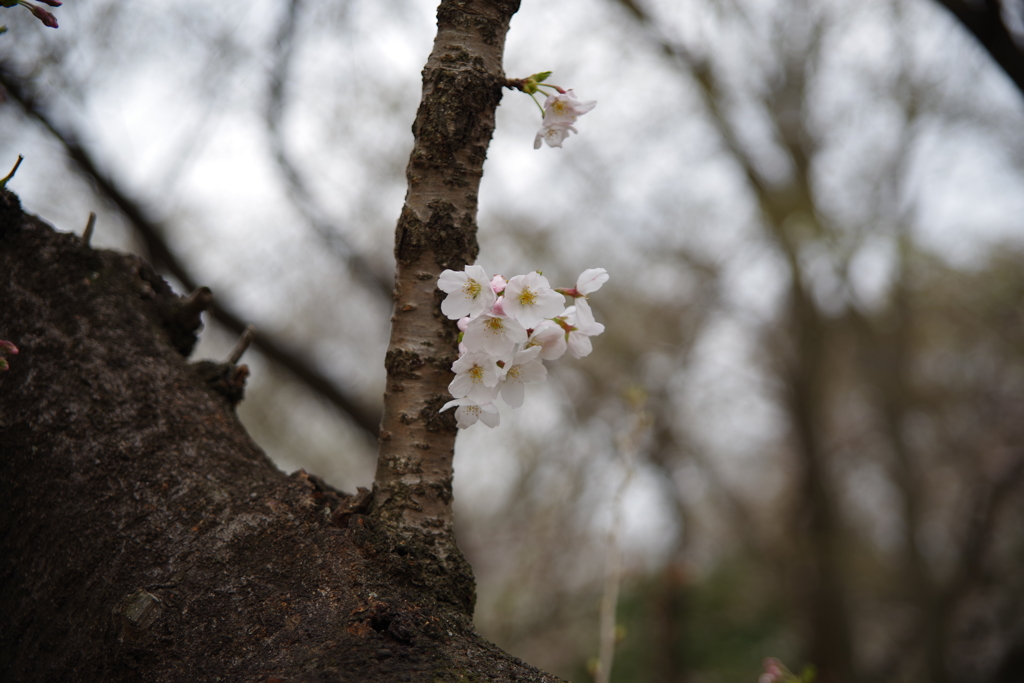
(813, 371)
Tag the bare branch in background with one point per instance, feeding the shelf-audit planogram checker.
(802, 367)
(365, 417)
(984, 20)
(298, 192)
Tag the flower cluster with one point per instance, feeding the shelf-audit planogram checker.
(560, 110)
(507, 328)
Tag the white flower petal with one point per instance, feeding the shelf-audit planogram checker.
(591, 279)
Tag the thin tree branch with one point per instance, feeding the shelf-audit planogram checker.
(366, 418)
(984, 20)
(298, 192)
(462, 86)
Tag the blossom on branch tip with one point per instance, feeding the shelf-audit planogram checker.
(560, 112)
(565, 108)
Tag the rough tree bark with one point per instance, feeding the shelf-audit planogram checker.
(147, 538)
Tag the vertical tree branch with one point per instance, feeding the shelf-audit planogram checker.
(462, 84)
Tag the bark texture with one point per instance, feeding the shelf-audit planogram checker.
(462, 84)
(147, 538)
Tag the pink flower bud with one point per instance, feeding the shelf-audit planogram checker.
(498, 308)
(8, 347)
(772, 671)
(42, 15)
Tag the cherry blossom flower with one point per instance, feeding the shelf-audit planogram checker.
(565, 107)
(494, 334)
(580, 329)
(525, 368)
(530, 299)
(469, 292)
(560, 112)
(467, 413)
(508, 327)
(553, 134)
(476, 375)
(498, 284)
(550, 338)
(590, 280)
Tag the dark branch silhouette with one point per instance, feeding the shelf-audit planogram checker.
(298, 192)
(365, 417)
(985, 21)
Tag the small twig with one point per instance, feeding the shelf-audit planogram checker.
(193, 305)
(87, 233)
(630, 443)
(243, 343)
(3, 182)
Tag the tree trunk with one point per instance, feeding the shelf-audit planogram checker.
(147, 538)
